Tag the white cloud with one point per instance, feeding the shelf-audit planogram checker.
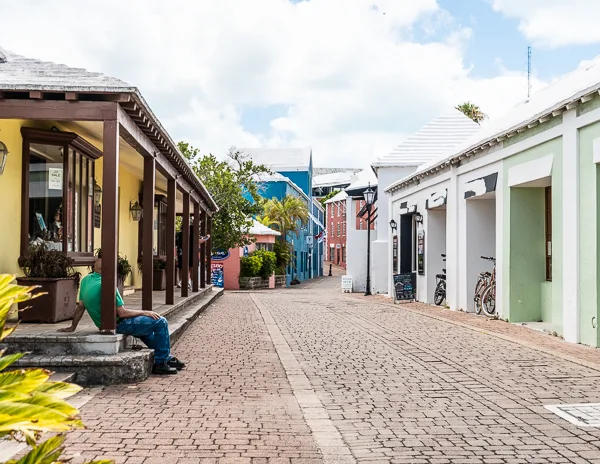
(353, 80)
(554, 23)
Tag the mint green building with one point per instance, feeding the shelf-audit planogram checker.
(524, 189)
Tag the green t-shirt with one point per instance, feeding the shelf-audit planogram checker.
(90, 292)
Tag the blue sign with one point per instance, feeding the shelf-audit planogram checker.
(245, 251)
(217, 275)
(220, 255)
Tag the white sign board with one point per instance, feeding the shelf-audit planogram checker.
(347, 284)
(55, 178)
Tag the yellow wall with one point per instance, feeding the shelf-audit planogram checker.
(10, 193)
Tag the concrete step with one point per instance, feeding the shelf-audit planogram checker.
(86, 340)
(67, 377)
(126, 366)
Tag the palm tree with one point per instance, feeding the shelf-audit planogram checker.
(472, 111)
(288, 215)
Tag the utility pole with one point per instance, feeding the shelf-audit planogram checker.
(528, 72)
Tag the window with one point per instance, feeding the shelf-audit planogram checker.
(339, 210)
(343, 254)
(58, 192)
(264, 246)
(343, 228)
(360, 223)
(332, 229)
(331, 209)
(548, 219)
(338, 229)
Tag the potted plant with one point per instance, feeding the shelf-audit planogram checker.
(52, 272)
(123, 269)
(159, 278)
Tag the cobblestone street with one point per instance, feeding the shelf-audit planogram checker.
(309, 375)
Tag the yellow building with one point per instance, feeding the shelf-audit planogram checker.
(80, 152)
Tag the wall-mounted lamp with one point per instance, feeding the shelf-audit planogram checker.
(97, 193)
(393, 225)
(419, 218)
(136, 211)
(3, 157)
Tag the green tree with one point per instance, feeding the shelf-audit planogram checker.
(287, 215)
(472, 111)
(328, 197)
(233, 185)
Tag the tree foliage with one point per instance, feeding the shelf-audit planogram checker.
(329, 196)
(233, 185)
(30, 403)
(472, 111)
(287, 215)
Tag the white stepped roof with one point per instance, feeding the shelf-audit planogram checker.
(363, 179)
(281, 159)
(260, 229)
(434, 139)
(339, 197)
(553, 99)
(333, 179)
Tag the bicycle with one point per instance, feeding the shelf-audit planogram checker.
(440, 287)
(485, 291)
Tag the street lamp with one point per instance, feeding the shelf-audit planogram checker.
(369, 198)
(393, 226)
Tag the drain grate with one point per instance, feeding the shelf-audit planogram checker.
(582, 415)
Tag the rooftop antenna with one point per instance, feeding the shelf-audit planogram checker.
(528, 72)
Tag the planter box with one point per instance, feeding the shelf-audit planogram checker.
(280, 281)
(57, 305)
(159, 279)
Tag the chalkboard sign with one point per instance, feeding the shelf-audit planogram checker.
(97, 216)
(404, 287)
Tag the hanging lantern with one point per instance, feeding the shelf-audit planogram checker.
(136, 211)
(97, 193)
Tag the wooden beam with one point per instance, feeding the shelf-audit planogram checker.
(171, 191)
(58, 110)
(36, 94)
(70, 96)
(110, 180)
(209, 250)
(148, 233)
(185, 246)
(196, 247)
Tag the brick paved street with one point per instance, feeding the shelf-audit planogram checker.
(310, 375)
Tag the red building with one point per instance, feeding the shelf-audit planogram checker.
(335, 221)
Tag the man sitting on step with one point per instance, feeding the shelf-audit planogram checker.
(150, 327)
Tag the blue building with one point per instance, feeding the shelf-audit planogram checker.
(292, 175)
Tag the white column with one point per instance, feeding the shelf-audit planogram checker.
(500, 242)
(390, 263)
(452, 233)
(570, 228)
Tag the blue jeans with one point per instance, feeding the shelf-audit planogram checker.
(153, 332)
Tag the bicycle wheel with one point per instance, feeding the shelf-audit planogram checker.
(479, 289)
(488, 301)
(440, 293)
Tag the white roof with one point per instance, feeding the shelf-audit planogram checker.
(20, 73)
(281, 159)
(584, 81)
(339, 197)
(363, 179)
(434, 139)
(260, 229)
(336, 178)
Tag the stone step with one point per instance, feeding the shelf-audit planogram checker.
(86, 341)
(126, 366)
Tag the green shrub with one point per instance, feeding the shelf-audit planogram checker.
(251, 266)
(283, 253)
(269, 262)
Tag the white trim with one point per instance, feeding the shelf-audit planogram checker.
(596, 145)
(570, 226)
(534, 173)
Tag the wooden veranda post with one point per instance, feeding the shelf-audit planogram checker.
(148, 233)
(109, 232)
(203, 252)
(185, 246)
(170, 293)
(195, 247)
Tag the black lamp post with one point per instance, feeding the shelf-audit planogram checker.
(369, 197)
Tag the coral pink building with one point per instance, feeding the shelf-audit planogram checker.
(229, 264)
